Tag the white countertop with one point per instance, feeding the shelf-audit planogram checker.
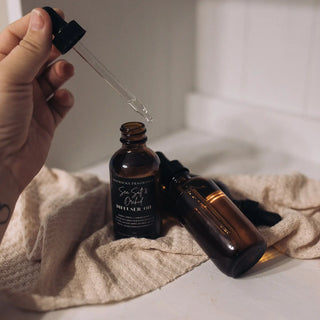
(280, 288)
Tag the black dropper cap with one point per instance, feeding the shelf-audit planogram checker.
(66, 35)
(169, 169)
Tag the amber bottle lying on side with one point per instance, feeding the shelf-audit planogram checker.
(227, 236)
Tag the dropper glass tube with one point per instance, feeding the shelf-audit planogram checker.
(107, 75)
(68, 35)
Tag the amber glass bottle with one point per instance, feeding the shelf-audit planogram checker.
(228, 237)
(134, 177)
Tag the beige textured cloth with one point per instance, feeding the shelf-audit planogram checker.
(59, 250)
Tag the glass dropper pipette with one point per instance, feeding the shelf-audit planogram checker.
(107, 75)
(67, 36)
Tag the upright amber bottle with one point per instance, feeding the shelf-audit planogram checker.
(134, 177)
(228, 237)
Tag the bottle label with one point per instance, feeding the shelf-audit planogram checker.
(134, 206)
(212, 210)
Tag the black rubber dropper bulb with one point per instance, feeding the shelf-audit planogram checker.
(66, 35)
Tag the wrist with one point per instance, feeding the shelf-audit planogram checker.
(9, 194)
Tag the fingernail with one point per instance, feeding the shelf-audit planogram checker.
(68, 98)
(68, 68)
(36, 20)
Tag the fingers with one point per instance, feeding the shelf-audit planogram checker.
(60, 104)
(26, 45)
(54, 77)
(25, 60)
(14, 33)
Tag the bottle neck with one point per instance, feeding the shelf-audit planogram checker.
(133, 134)
(173, 176)
(181, 178)
(133, 146)
(177, 183)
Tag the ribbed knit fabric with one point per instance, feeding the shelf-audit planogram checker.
(59, 249)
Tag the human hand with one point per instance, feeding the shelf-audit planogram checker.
(31, 103)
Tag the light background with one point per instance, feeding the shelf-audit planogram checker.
(244, 69)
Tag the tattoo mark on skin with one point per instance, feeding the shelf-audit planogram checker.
(4, 213)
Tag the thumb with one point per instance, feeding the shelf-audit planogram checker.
(25, 60)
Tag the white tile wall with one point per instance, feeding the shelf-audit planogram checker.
(220, 40)
(14, 10)
(3, 15)
(260, 52)
(313, 81)
(258, 73)
(277, 53)
(261, 128)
